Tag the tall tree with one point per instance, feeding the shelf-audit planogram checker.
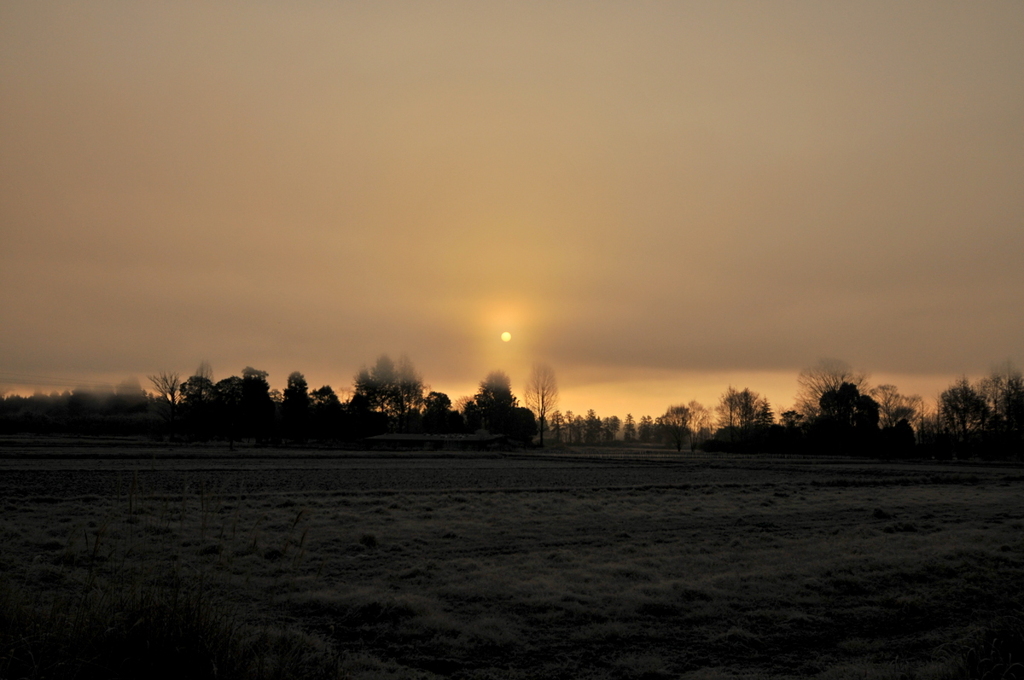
(610, 428)
(847, 422)
(168, 390)
(472, 416)
(557, 425)
(629, 429)
(645, 430)
(894, 407)
(377, 384)
(524, 425)
(1003, 391)
(257, 408)
(742, 412)
(570, 425)
(963, 412)
(592, 429)
(295, 408)
(827, 374)
(700, 423)
(326, 413)
(675, 424)
(496, 402)
(228, 407)
(393, 389)
(408, 392)
(541, 394)
(198, 397)
(437, 413)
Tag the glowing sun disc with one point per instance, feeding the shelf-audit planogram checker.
(506, 336)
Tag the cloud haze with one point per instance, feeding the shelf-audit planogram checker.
(641, 193)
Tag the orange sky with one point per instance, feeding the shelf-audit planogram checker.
(658, 199)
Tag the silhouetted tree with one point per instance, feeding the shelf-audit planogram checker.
(675, 424)
(700, 424)
(409, 393)
(840, 404)
(1003, 392)
(791, 419)
(472, 415)
(558, 425)
(541, 394)
(438, 415)
(847, 421)
(573, 429)
(326, 414)
(393, 389)
(295, 408)
(228, 407)
(826, 375)
(591, 428)
(198, 399)
(496, 402)
(645, 430)
(523, 425)
(257, 406)
(629, 429)
(742, 415)
(610, 428)
(963, 413)
(898, 440)
(168, 392)
(894, 407)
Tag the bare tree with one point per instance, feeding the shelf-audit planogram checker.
(827, 375)
(168, 390)
(1003, 391)
(963, 411)
(541, 394)
(743, 409)
(676, 424)
(894, 407)
(701, 422)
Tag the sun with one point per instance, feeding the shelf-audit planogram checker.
(506, 336)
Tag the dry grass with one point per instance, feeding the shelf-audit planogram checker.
(883, 575)
(111, 592)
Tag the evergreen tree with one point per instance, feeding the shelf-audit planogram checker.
(629, 429)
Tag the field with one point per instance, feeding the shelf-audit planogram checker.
(521, 566)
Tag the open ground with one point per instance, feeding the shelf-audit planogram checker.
(523, 566)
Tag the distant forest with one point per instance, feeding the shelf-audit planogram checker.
(836, 412)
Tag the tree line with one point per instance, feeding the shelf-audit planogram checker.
(835, 412)
(387, 397)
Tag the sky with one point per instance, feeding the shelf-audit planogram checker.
(658, 199)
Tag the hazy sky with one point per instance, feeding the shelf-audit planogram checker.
(658, 198)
